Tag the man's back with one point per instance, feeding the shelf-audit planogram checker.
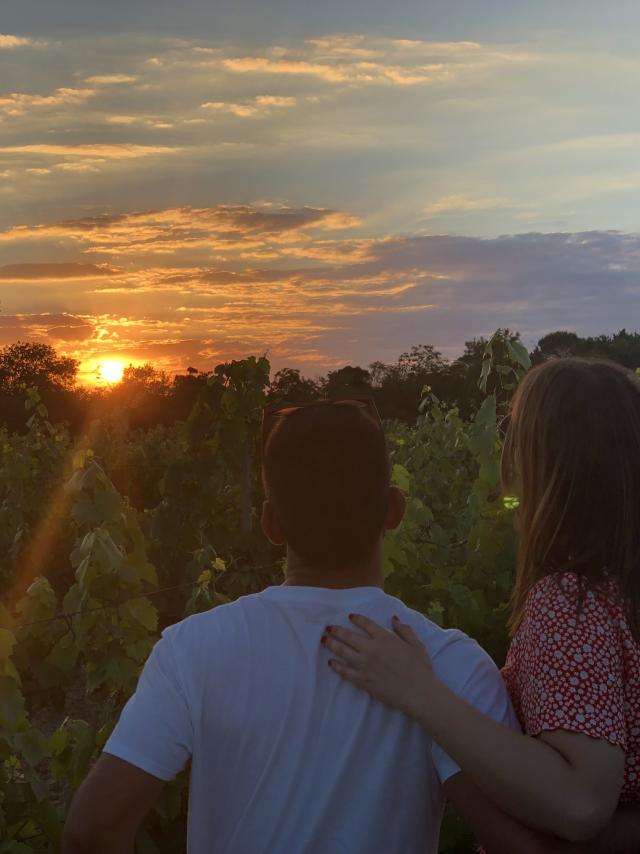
(285, 756)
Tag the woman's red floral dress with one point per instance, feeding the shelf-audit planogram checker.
(578, 669)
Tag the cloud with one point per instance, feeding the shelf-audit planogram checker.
(357, 72)
(80, 167)
(356, 308)
(48, 328)
(110, 79)
(8, 42)
(17, 103)
(243, 229)
(55, 271)
(72, 333)
(106, 151)
(363, 143)
(43, 320)
(264, 65)
(354, 45)
(462, 203)
(368, 60)
(260, 105)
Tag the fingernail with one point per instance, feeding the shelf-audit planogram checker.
(327, 629)
(323, 639)
(330, 663)
(351, 616)
(397, 619)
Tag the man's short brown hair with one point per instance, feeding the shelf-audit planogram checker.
(326, 472)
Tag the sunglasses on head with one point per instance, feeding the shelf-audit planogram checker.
(271, 414)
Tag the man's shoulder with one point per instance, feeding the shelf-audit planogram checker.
(457, 659)
(437, 639)
(212, 621)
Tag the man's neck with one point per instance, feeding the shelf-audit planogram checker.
(299, 575)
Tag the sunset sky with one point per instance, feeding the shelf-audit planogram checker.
(327, 182)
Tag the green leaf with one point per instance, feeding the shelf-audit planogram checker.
(7, 643)
(83, 747)
(435, 612)
(518, 352)
(64, 655)
(486, 415)
(484, 373)
(13, 847)
(8, 668)
(32, 745)
(72, 599)
(11, 704)
(144, 570)
(401, 477)
(59, 741)
(108, 504)
(139, 650)
(6, 620)
(86, 572)
(46, 815)
(144, 612)
(84, 511)
(108, 550)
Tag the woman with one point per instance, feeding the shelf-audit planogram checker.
(572, 454)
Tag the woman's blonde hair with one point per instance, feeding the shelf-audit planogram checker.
(572, 454)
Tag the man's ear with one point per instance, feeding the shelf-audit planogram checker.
(271, 526)
(395, 510)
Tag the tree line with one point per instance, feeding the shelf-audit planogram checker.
(147, 396)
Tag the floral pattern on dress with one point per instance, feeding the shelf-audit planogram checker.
(575, 665)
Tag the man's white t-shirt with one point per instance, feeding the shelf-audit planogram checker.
(286, 757)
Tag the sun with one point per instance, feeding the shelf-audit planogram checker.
(111, 371)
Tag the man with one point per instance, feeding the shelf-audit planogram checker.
(285, 758)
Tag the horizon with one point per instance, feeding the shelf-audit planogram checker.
(185, 190)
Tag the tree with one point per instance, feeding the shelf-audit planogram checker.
(421, 360)
(34, 364)
(289, 385)
(346, 381)
(143, 396)
(378, 372)
(186, 391)
(145, 378)
(467, 370)
(398, 387)
(622, 347)
(559, 343)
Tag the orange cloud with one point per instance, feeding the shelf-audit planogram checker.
(110, 79)
(8, 42)
(358, 59)
(122, 151)
(17, 103)
(72, 333)
(243, 229)
(122, 120)
(260, 105)
(263, 65)
(55, 271)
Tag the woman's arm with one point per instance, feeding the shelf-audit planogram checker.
(563, 783)
(502, 834)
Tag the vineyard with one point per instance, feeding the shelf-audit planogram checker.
(108, 537)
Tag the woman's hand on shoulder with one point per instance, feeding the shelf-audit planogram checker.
(391, 666)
